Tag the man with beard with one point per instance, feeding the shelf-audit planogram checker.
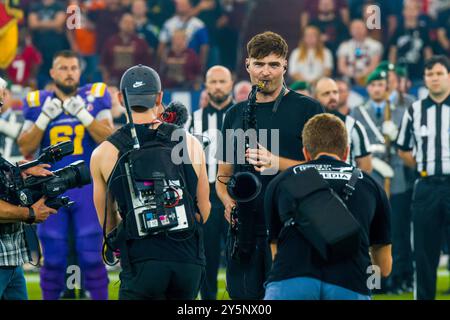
(279, 115)
(327, 93)
(206, 123)
(82, 115)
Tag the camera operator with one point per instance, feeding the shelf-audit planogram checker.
(81, 114)
(299, 271)
(154, 266)
(278, 111)
(13, 246)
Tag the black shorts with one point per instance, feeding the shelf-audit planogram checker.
(161, 280)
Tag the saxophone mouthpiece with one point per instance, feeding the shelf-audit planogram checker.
(261, 85)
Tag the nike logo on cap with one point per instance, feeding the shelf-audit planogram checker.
(138, 84)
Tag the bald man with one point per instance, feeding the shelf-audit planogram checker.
(206, 125)
(327, 92)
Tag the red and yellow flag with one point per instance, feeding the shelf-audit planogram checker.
(9, 32)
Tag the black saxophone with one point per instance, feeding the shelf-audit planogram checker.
(244, 186)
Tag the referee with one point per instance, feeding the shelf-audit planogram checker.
(207, 124)
(426, 129)
(327, 93)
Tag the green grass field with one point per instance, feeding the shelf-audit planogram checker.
(34, 291)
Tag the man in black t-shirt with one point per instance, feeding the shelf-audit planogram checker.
(280, 116)
(299, 271)
(167, 265)
(47, 21)
(410, 44)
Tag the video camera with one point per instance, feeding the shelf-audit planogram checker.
(25, 191)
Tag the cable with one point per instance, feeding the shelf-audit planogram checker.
(108, 187)
(38, 264)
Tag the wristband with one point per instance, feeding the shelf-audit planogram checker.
(31, 216)
(85, 117)
(42, 121)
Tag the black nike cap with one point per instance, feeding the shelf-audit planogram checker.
(142, 84)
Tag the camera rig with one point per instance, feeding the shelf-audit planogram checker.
(16, 189)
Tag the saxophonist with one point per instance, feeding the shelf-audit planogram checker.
(259, 138)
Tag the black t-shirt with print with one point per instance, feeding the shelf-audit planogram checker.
(50, 41)
(297, 258)
(410, 44)
(288, 121)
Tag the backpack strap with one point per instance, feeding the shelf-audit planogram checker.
(350, 185)
(121, 140)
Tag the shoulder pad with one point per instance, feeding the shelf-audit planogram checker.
(33, 99)
(98, 89)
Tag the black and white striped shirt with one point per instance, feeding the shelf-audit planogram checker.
(206, 125)
(426, 130)
(357, 136)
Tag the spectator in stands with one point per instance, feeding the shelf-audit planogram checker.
(106, 21)
(313, 9)
(390, 12)
(145, 29)
(443, 23)
(24, 68)
(180, 68)
(311, 60)
(410, 44)
(47, 21)
(236, 13)
(159, 11)
(126, 4)
(241, 90)
(123, 50)
(329, 22)
(197, 35)
(83, 40)
(360, 55)
(214, 18)
(367, 14)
